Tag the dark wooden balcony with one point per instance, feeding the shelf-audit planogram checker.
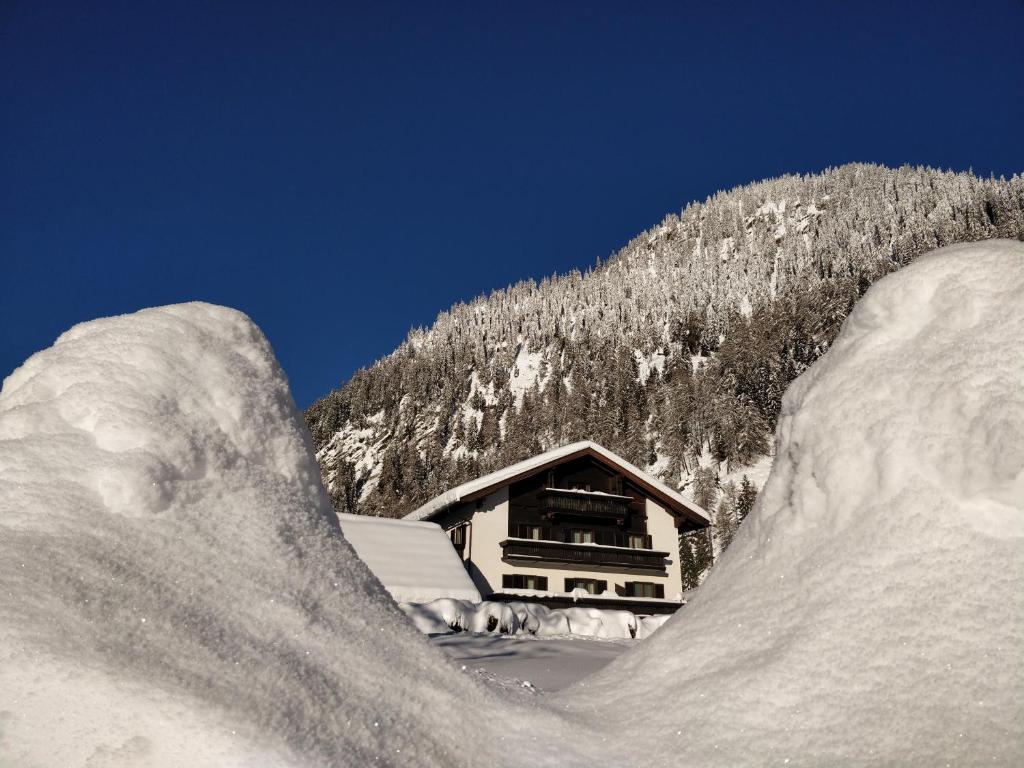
(607, 538)
(585, 503)
(562, 553)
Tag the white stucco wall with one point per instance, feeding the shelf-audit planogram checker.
(664, 536)
(489, 527)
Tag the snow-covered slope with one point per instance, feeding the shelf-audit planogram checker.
(871, 610)
(174, 589)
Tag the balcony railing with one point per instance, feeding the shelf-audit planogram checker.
(604, 538)
(557, 552)
(584, 502)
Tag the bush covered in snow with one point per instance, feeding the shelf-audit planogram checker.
(446, 615)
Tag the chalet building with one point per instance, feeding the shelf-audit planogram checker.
(576, 525)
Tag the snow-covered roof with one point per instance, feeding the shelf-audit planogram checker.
(414, 560)
(556, 455)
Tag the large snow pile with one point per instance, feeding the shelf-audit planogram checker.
(174, 589)
(414, 560)
(870, 609)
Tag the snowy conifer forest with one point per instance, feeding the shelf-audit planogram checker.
(674, 352)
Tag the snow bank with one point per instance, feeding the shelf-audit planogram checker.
(870, 609)
(444, 615)
(174, 588)
(414, 560)
(447, 615)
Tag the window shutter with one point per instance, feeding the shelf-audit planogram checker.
(570, 585)
(508, 581)
(602, 586)
(659, 590)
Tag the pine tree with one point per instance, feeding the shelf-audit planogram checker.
(725, 518)
(688, 564)
(703, 554)
(705, 488)
(746, 498)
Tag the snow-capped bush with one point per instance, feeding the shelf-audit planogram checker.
(447, 615)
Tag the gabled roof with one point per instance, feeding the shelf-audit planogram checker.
(481, 486)
(415, 561)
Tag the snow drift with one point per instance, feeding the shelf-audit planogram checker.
(870, 609)
(174, 589)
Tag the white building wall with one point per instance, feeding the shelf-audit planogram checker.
(661, 525)
(489, 527)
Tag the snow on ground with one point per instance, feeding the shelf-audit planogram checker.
(175, 588)
(871, 609)
(525, 373)
(414, 560)
(655, 361)
(539, 665)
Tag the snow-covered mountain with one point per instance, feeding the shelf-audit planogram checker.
(674, 352)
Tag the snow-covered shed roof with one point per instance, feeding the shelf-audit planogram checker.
(675, 503)
(414, 560)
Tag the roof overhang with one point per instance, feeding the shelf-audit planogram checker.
(482, 486)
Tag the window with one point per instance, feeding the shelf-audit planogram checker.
(582, 536)
(524, 581)
(534, 532)
(644, 589)
(637, 541)
(458, 536)
(593, 586)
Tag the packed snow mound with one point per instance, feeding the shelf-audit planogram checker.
(870, 609)
(174, 587)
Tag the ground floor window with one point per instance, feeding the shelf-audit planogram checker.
(524, 581)
(644, 589)
(593, 586)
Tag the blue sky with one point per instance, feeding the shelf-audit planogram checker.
(343, 172)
